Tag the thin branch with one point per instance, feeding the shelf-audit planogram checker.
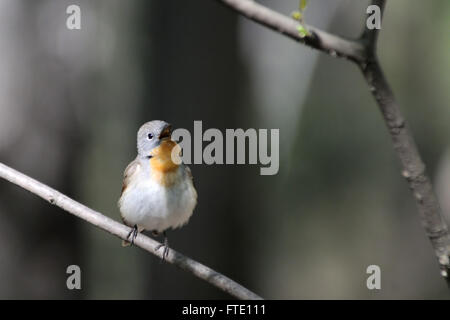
(413, 168)
(107, 224)
(363, 53)
(321, 40)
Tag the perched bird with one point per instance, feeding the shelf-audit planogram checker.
(158, 191)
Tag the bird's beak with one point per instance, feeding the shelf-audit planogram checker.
(166, 133)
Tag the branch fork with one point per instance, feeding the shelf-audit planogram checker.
(362, 51)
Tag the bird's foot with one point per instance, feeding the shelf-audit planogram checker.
(133, 234)
(165, 244)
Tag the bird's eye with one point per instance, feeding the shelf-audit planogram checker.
(150, 136)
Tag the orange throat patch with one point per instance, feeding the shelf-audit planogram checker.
(163, 168)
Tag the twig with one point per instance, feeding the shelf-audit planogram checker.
(319, 39)
(363, 52)
(103, 222)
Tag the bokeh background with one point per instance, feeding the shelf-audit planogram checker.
(72, 101)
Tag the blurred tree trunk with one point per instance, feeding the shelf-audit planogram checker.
(193, 73)
(37, 241)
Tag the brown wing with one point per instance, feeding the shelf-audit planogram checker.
(128, 173)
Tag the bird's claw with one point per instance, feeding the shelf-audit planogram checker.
(165, 244)
(133, 233)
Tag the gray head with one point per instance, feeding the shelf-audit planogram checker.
(151, 134)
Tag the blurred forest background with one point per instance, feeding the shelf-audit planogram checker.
(72, 101)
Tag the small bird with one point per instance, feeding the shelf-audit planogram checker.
(157, 191)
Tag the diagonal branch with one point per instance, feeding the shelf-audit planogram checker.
(319, 39)
(413, 168)
(107, 224)
(363, 53)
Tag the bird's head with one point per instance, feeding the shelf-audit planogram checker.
(154, 142)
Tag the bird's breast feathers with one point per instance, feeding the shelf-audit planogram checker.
(160, 195)
(163, 168)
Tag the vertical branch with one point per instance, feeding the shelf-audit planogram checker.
(413, 168)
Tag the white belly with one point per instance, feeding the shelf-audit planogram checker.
(152, 206)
